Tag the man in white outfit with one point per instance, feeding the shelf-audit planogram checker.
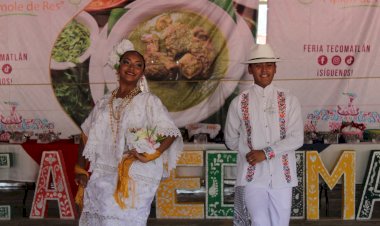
(264, 124)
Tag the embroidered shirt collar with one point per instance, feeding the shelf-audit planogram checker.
(263, 91)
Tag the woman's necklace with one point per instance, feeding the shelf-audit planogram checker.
(115, 114)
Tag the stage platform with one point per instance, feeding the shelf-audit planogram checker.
(155, 222)
(15, 199)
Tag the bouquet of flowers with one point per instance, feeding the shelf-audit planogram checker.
(144, 139)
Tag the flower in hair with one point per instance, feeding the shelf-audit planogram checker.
(117, 51)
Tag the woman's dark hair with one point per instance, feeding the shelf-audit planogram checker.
(134, 51)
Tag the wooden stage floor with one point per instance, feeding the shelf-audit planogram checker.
(14, 198)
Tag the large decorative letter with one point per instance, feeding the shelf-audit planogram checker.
(315, 167)
(216, 161)
(166, 203)
(52, 165)
(371, 192)
(298, 195)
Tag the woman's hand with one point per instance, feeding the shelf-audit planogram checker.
(128, 154)
(140, 156)
(81, 179)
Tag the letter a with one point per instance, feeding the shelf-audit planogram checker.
(52, 164)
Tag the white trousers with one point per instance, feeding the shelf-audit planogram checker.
(268, 206)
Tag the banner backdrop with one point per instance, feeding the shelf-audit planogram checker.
(330, 52)
(54, 54)
(29, 29)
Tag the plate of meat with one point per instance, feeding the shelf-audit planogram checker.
(193, 52)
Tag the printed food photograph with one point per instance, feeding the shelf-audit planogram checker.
(187, 51)
(96, 5)
(175, 49)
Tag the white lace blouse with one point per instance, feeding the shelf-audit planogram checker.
(146, 110)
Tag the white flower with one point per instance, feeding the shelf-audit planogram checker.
(124, 46)
(144, 140)
(141, 134)
(114, 60)
(117, 51)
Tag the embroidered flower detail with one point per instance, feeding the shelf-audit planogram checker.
(269, 153)
(244, 108)
(285, 168)
(117, 51)
(282, 111)
(250, 172)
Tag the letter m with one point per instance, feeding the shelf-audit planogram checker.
(344, 167)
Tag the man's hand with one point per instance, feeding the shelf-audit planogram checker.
(255, 156)
(81, 179)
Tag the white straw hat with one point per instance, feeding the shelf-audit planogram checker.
(261, 54)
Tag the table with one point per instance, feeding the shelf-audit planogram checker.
(329, 153)
(27, 157)
(24, 168)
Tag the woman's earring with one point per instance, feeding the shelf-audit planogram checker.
(143, 84)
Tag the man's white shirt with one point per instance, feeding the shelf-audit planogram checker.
(264, 119)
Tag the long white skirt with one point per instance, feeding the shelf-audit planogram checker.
(101, 209)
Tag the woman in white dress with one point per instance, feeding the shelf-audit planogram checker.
(125, 178)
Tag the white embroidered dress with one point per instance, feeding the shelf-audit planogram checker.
(105, 152)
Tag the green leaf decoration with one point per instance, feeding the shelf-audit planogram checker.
(72, 90)
(115, 15)
(226, 5)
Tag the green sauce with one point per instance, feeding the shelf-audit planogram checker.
(73, 41)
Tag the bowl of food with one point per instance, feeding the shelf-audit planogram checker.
(175, 49)
(75, 43)
(193, 54)
(97, 5)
